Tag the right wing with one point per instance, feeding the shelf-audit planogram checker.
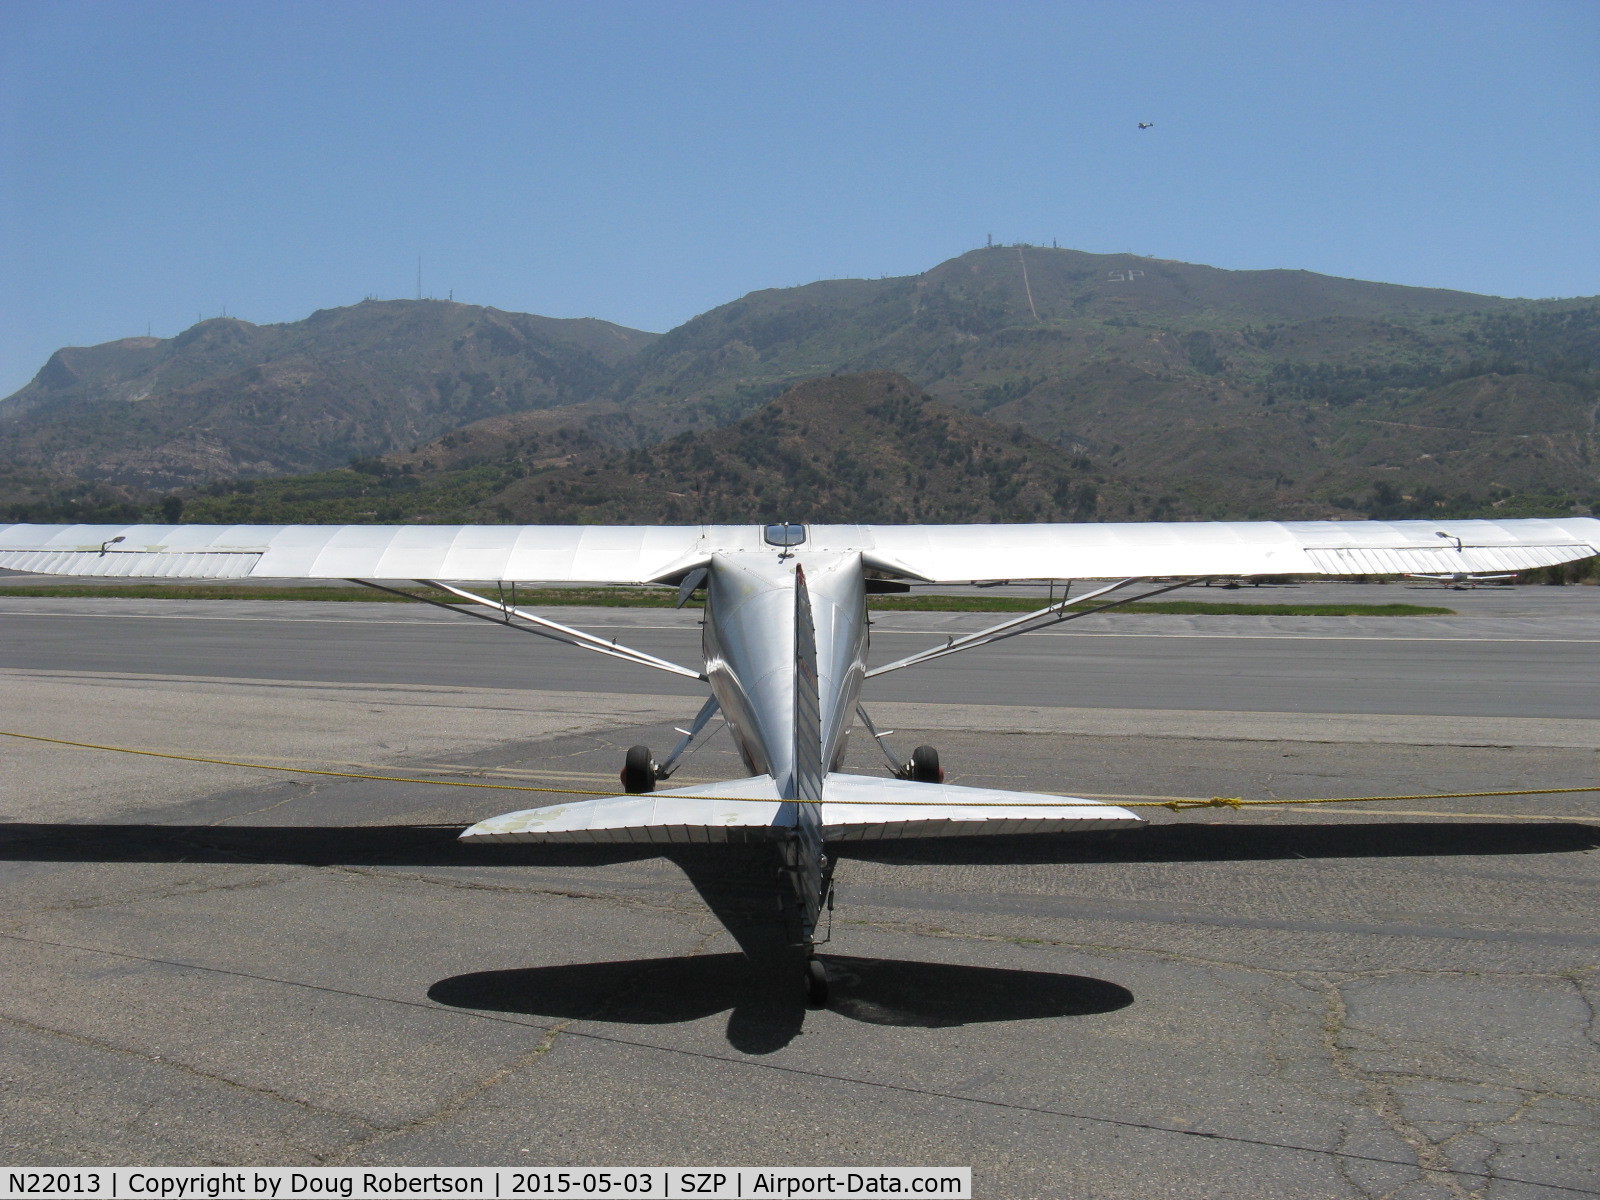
(547, 553)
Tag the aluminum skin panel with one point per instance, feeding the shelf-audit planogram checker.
(750, 651)
(1469, 559)
(126, 565)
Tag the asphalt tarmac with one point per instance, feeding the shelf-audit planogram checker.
(209, 965)
(1469, 664)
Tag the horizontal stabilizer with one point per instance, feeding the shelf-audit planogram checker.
(859, 808)
(678, 816)
(854, 808)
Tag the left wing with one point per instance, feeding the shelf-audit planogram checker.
(958, 553)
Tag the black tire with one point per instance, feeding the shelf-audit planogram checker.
(816, 983)
(639, 770)
(925, 766)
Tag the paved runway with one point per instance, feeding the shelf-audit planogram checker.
(205, 965)
(1464, 665)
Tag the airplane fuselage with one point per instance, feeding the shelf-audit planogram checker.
(749, 646)
(786, 646)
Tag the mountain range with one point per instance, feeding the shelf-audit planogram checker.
(1177, 388)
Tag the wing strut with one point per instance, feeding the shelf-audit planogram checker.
(665, 768)
(897, 765)
(541, 626)
(1041, 618)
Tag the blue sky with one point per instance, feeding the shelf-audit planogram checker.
(643, 162)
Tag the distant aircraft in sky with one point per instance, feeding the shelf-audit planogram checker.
(785, 645)
(1147, 124)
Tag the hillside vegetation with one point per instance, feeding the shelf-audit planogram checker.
(1170, 389)
(869, 447)
(227, 399)
(1242, 392)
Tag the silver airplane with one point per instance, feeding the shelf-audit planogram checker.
(786, 646)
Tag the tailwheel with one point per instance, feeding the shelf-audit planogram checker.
(924, 766)
(816, 983)
(639, 770)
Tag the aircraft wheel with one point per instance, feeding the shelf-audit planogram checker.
(816, 983)
(639, 770)
(925, 766)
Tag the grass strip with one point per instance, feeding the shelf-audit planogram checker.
(601, 597)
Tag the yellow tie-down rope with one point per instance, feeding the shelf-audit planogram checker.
(1174, 805)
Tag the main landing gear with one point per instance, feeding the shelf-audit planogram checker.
(816, 982)
(924, 766)
(639, 770)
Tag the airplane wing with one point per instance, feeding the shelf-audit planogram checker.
(931, 553)
(958, 553)
(546, 553)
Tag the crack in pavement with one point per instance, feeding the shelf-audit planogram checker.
(1432, 1161)
(299, 789)
(457, 1102)
(383, 875)
(167, 892)
(181, 1068)
(1592, 1026)
(1382, 1090)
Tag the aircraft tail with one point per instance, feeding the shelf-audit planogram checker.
(808, 772)
(804, 860)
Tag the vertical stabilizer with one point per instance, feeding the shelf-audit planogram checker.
(803, 850)
(808, 771)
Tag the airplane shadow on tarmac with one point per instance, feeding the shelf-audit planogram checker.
(762, 986)
(437, 845)
(768, 1009)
